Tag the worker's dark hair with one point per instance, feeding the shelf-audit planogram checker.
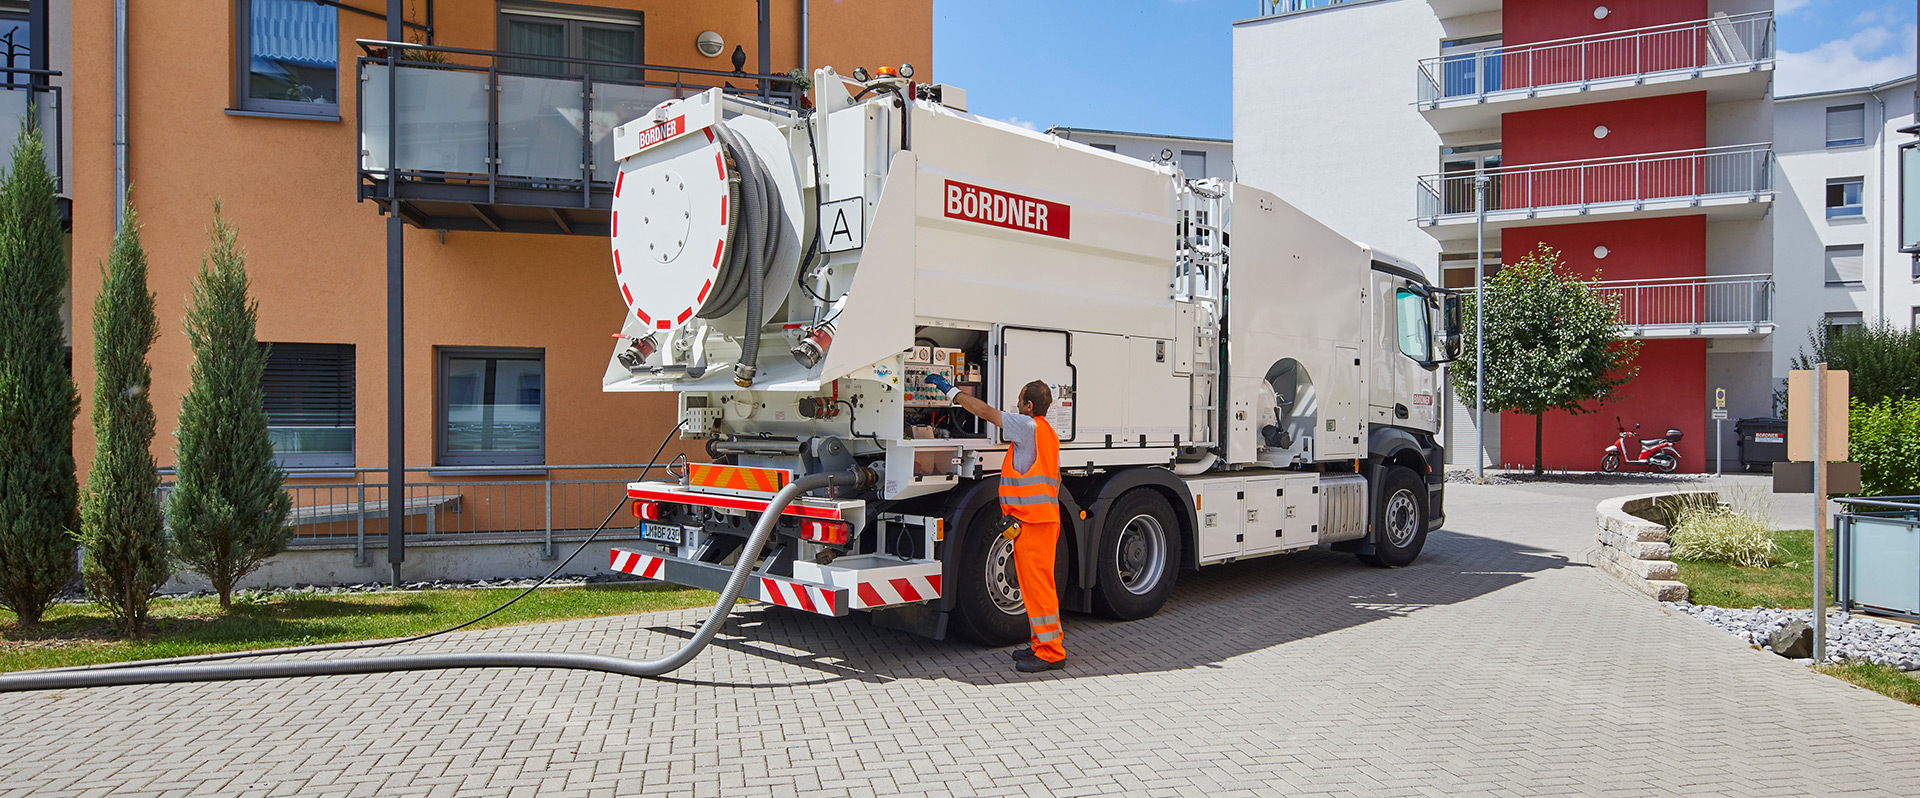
(1036, 393)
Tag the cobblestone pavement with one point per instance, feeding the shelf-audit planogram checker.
(1500, 664)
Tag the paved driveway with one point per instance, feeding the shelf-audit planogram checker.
(1499, 664)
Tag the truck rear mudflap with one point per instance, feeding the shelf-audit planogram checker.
(861, 582)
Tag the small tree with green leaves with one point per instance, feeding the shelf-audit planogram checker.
(1552, 343)
(39, 494)
(1881, 360)
(125, 557)
(228, 511)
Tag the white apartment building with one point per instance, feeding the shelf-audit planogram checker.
(1634, 136)
(1836, 250)
(1196, 157)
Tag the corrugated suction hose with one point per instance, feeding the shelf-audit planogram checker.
(757, 224)
(67, 679)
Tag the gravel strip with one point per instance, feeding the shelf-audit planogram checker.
(1849, 638)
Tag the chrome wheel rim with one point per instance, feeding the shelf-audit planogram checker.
(1003, 583)
(1403, 519)
(1140, 556)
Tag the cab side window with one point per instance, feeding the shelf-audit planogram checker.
(1414, 325)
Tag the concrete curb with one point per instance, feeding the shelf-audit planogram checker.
(1633, 541)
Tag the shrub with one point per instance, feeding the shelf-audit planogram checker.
(1705, 531)
(125, 544)
(39, 494)
(1880, 360)
(229, 511)
(1884, 438)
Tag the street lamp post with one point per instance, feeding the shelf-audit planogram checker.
(1479, 328)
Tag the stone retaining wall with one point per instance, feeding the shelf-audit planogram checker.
(1633, 541)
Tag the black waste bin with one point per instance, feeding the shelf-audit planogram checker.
(1763, 441)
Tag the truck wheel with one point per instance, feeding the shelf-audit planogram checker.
(988, 605)
(1399, 520)
(1139, 557)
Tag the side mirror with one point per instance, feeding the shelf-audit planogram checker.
(1451, 341)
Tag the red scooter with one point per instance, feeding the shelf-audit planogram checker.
(1659, 452)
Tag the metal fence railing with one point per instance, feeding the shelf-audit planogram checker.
(1723, 40)
(493, 504)
(1270, 7)
(1692, 302)
(1741, 169)
(508, 121)
(1877, 543)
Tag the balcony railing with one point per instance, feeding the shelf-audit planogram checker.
(472, 139)
(1692, 305)
(1631, 181)
(1723, 41)
(487, 505)
(27, 95)
(1271, 7)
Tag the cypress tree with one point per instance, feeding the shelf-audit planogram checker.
(39, 496)
(228, 511)
(124, 545)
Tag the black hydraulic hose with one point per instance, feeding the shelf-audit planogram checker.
(764, 223)
(762, 531)
(360, 645)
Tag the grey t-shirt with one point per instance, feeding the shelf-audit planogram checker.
(1018, 429)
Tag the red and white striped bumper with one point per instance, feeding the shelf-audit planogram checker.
(863, 583)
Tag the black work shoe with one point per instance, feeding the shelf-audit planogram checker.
(1036, 665)
(1020, 653)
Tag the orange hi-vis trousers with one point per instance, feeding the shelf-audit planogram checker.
(1033, 563)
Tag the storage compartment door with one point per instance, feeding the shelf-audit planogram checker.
(1222, 510)
(1301, 503)
(1024, 354)
(1266, 516)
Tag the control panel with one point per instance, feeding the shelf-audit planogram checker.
(923, 361)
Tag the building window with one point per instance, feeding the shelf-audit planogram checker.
(568, 31)
(1843, 198)
(1846, 125)
(492, 407)
(289, 57)
(1842, 323)
(1844, 264)
(1456, 268)
(309, 396)
(1194, 163)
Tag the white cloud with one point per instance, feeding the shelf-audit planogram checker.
(1858, 60)
(1018, 122)
(1785, 7)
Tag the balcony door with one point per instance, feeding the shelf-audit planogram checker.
(1470, 66)
(565, 31)
(1459, 167)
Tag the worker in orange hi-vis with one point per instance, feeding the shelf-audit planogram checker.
(1030, 497)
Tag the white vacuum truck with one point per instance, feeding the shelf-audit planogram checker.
(1232, 379)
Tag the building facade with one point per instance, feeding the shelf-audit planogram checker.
(1632, 137)
(1836, 248)
(1197, 158)
(491, 141)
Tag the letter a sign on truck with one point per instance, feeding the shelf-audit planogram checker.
(1006, 209)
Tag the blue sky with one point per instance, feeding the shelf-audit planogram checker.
(1165, 66)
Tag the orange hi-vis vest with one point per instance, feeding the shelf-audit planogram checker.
(1033, 496)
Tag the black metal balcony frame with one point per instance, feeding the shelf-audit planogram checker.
(574, 205)
(37, 81)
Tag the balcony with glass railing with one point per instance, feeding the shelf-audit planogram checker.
(1719, 182)
(28, 96)
(462, 139)
(1728, 56)
(1708, 306)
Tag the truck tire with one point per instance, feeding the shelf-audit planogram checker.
(988, 604)
(1139, 556)
(1399, 520)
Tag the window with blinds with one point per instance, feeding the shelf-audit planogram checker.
(1846, 125)
(309, 390)
(1844, 264)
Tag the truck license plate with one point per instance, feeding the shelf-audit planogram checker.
(661, 533)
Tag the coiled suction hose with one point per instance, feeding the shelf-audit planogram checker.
(753, 238)
(762, 531)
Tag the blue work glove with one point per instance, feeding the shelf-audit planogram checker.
(941, 384)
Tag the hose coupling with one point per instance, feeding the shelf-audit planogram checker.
(743, 375)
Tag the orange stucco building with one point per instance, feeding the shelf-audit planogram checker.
(507, 333)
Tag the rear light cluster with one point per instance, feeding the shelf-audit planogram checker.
(646, 510)
(832, 533)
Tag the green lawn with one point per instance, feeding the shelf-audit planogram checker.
(83, 634)
(1787, 586)
(1883, 679)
